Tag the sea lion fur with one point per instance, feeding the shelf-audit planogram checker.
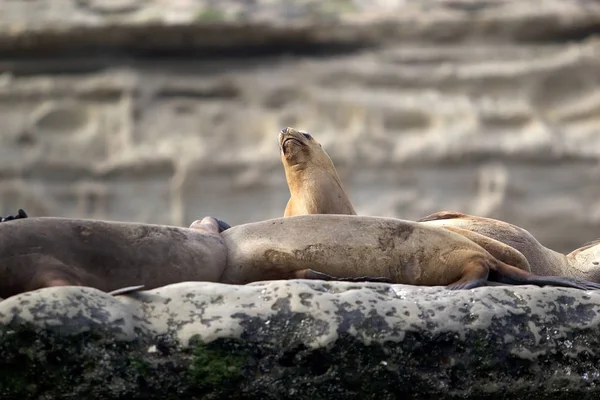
(349, 246)
(116, 257)
(311, 176)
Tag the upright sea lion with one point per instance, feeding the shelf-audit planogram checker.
(115, 257)
(316, 188)
(326, 246)
(508, 243)
(314, 184)
(583, 263)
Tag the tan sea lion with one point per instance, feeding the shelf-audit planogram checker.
(116, 257)
(315, 187)
(508, 243)
(350, 246)
(583, 263)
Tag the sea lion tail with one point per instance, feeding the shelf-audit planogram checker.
(442, 215)
(126, 290)
(507, 274)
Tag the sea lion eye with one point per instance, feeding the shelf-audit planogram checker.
(306, 135)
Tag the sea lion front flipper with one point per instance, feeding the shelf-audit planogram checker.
(442, 215)
(125, 290)
(312, 274)
(475, 274)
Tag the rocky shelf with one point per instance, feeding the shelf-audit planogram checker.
(302, 340)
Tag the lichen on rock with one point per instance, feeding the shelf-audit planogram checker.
(301, 339)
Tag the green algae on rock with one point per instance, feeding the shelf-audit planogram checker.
(301, 340)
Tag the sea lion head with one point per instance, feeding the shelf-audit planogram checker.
(210, 225)
(299, 147)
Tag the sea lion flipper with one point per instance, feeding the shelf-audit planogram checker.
(125, 290)
(505, 273)
(312, 274)
(442, 215)
(475, 274)
(470, 284)
(223, 226)
(381, 279)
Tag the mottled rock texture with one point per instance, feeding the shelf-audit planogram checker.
(301, 340)
(165, 111)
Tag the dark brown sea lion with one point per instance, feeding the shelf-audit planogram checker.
(347, 246)
(115, 257)
(582, 263)
(314, 184)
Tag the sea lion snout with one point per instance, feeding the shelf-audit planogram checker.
(291, 141)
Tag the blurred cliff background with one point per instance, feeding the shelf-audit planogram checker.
(164, 111)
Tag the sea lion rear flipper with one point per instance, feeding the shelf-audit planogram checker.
(125, 290)
(511, 275)
(475, 274)
(442, 215)
(223, 226)
(312, 274)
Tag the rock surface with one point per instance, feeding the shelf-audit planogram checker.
(166, 111)
(301, 340)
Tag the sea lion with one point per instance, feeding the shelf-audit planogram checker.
(582, 263)
(346, 246)
(116, 257)
(508, 243)
(315, 187)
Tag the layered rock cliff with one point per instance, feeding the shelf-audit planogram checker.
(164, 112)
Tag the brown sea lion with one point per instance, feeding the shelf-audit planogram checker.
(347, 246)
(315, 187)
(115, 257)
(583, 263)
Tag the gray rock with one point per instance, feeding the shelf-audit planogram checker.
(301, 340)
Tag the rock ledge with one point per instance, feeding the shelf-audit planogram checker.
(301, 339)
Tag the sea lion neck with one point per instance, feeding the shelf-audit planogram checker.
(319, 191)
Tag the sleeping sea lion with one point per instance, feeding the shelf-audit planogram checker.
(347, 246)
(116, 257)
(582, 263)
(315, 186)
